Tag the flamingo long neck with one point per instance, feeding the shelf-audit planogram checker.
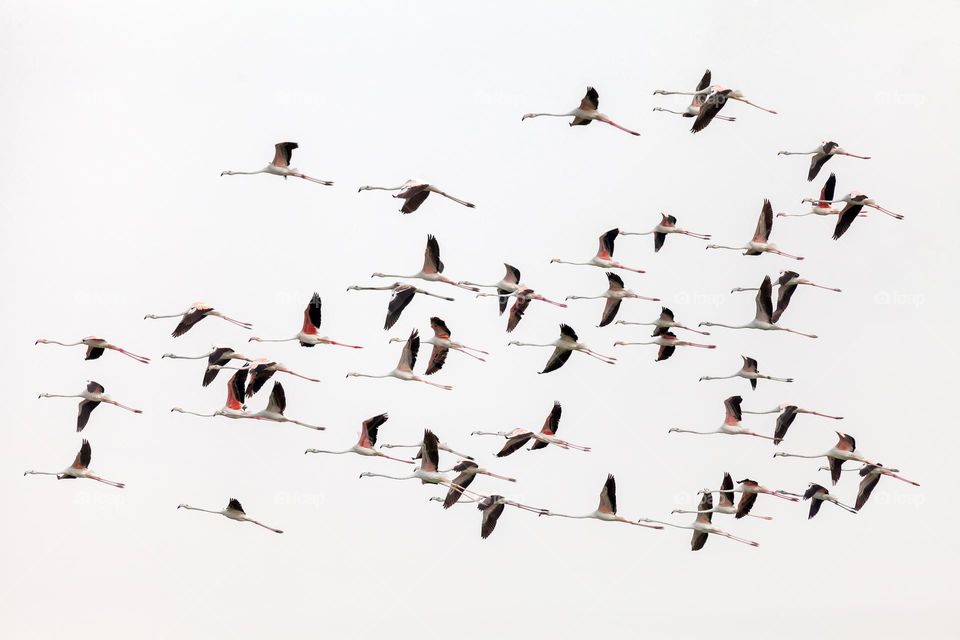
(699, 433)
(42, 473)
(158, 317)
(670, 524)
(368, 188)
(727, 326)
(57, 395)
(186, 506)
(176, 357)
(336, 453)
(383, 475)
(582, 264)
(244, 173)
(63, 344)
(274, 339)
(551, 115)
(193, 413)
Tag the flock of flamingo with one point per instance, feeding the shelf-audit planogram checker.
(250, 375)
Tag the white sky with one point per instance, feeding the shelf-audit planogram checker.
(119, 118)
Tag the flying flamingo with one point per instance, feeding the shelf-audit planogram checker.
(308, 337)
(197, 312)
(403, 294)
(467, 471)
(749, 372)
(217, 357)
(404, 369)
(585, 113)
(821, 206)
(92, 396)
(787, 415)
(787, 285)
(259, 371)
(491, 507)
(821, 154)
(760, 244)
(427, 472)
(414, 192)
(668, 343)
(566, 344)
(705, 89)
(234, 406)
(604, 258)
(280, 165)
(523, 296)
(855, 202)
(731, 422)
(693, 110)
(95, 348)
(233, 511)
(784, 407)
(510, 286)
(614, 295)
(664, 323)
(818, 494)
(546, 436)
(607, 509)
(870, 475)
(276, 405)
(368, 439)
(432, 270)
(844, 450)
(442, 344)
(727, 506)
(703, 526)
(668, 225)
(79, 469)
(763, 319)
(749, 491)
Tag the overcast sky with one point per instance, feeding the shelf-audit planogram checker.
(119, 118)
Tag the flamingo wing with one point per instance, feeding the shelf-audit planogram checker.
(491, 507)
(610, 309)
(836, 469)
(557, 359)
(235, 389)
(517, 310)
(747, 500)
(513, 274)
(764, 223)
(726, 496)
(190, 318)
(312, 315)
(83, 416)
(764, 301)
(431, 257)
(459, 483)
(438, 357)
(259, 374)
(94, 387)
(82, 461)
(590, 101)
(552, 424)
(398, 302)
(567, 331)
(608, 496)
(699, 539)
(732, 407)
(784, 420)
(93, 353)
(283, 153)
(826, 193)
(704, 81)
(429, 451)
(439, 327)
(219, 358)
(846, 218)
(413, 198)
(234, 505)
(658, 240)
(819, 159)
(665, 350)
(278, 399)
(607, 240)
(369, 429)
(514, 443)
(711, 106)
(408, 357)
(866, 487)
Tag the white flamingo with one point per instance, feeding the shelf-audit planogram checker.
(703, 526)
(726, 505)
(92, 396)
(748, 372)
(404, 368)
(280, 166)
(79, 469)
(414, 192)
(664, 322)
(403, 295)
(693, 109)
(667, 225)
(216, 358)
(843, 451)
(309, 334)
(95, 348)
(586, 113)
(563, 346)
(234, 511)
(442, 344)
(821, 154)
(197, 312)
(787, 285)
(368, 439)
(432, 270)
(604, 257)
(731, 422)
(668, 343)
(760, 243)
(615, 294)
(763, 319)
(606, 511)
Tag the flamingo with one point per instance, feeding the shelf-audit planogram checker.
(821, 206)
(259, 371)
(668, 343)
(234, 511)
(870, 475)
(427, 472)
(234, 406)
(663, 323)
(817, 494)
(307, 337)
(432, 270)
(821, 154)
(764, 318)
(855, 202)
(368, 439)
(585, 113)
(614, 295)
(749, 372)
(95, 348)
(92, 396)
(604, 258)
(784, 407)
(703, 526)
(403, 294)
(276, 405)
(404, 368)
(705, 89)
(546, 436)
(668, 225)
(727, 506)
(510, 286)
(693, 110)
(414, 192)
(844, 450)
(566, 344)
(197, 312)
(467, 471)
(607, 509)
(760, 244)
(79, 469)
(787, 415)
(491, 507)
(217, 357)
(442, 446)
(442, 344)
(523, 296)
(280, 165)
(731, 422)
(749, 491)
(787, 285)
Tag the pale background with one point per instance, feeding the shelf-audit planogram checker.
(118, 118)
